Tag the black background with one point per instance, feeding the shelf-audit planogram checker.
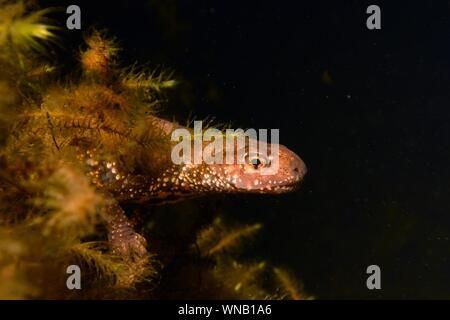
(368, 111)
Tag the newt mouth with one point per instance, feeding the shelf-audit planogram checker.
(288, 187)
(277, 189)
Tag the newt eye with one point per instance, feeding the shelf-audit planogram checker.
(258, 161)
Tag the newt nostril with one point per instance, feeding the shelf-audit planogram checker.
(295, 169)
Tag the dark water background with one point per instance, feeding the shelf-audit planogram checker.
(368, 111)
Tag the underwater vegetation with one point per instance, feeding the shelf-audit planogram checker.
(53, 210)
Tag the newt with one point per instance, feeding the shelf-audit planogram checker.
(131, 161)
(172, 182)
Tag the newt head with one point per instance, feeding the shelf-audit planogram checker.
(201, 167)
(255, 173)
(267, 174)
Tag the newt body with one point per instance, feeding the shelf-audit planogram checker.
(175, 182)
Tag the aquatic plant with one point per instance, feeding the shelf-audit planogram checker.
(51, 213)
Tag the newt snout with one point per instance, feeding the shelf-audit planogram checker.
(298, 167)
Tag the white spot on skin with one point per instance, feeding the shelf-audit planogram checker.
(91, 162)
